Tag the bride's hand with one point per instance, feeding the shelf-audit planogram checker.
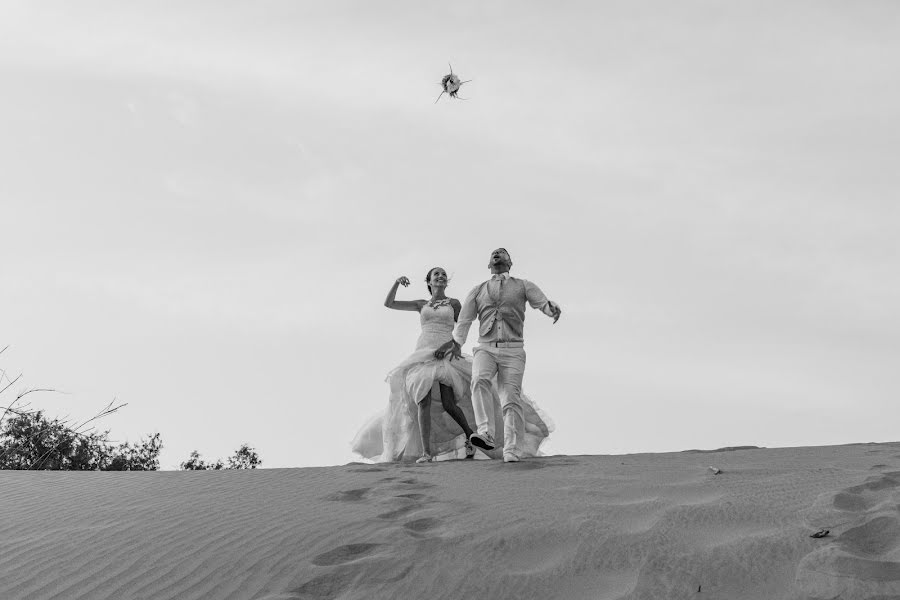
(403, 280)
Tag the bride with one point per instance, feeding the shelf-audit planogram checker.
(430, 403)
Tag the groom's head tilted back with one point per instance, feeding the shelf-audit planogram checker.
(500, 261)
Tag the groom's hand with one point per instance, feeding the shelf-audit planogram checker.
(455, 351)
(443, 349)
(555, 310)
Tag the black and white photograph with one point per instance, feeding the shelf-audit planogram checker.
(447, 300)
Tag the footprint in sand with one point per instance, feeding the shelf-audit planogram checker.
(423, 525)
(412, 496)
(877, 536)
(411, 483)
(344, 554)
(348, 495)
(330, 585)
(400, 512)
(859, 562)
(410, 503)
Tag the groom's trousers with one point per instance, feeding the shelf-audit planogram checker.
(508, 364)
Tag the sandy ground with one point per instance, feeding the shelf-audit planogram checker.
(649, 526)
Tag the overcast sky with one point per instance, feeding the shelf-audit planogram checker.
(204, 204)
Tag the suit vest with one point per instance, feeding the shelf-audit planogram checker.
(509, 308)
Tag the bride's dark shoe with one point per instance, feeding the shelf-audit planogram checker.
(482, 441)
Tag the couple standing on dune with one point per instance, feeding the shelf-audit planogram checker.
(462, 387)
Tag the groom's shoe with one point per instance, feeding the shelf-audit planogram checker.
(510, 457)
(482, 440)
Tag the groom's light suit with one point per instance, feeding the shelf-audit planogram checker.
(499, 305)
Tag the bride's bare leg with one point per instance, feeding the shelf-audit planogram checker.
(425, 423)
(448, 401)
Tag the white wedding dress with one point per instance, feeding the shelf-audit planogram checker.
(393, 434)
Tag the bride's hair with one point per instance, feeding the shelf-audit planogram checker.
(428, 279)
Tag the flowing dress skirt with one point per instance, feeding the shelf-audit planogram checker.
(393, 434)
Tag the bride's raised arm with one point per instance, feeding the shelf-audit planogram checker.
(390, 301)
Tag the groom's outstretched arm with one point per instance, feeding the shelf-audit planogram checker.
(466, 317)
(538, 300)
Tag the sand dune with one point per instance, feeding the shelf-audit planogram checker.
(651, 526)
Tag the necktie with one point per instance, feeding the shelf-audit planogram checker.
(497, 288)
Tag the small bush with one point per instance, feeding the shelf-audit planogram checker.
(29, 440)
(244, 457)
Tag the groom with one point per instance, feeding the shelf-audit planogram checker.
(499, 305)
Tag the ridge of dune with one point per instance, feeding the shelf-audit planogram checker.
(643, 526)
